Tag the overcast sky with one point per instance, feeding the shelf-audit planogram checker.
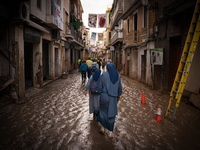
(95, 7)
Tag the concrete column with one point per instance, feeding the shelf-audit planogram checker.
(63, 59)
(67, 60)
(19, 37)
(134, 62)
(37, 64)
(59, 62)
(51, 61)
(149, 80)
(123, 61)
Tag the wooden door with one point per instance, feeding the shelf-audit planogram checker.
(176, 52)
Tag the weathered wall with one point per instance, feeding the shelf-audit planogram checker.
(140, 22)
(40, 13)
(63, 59)
(4, 63)
(134, 64)
(37, 64)
(52, 61)
(174, 26)
(67, 6)
(19, 37)
(193, 81)
(149, 81)
(46, 36)
(140, 53)
(59, 62)
(67, 60)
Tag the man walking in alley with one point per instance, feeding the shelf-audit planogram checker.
(83, 68)
(89, 63)
(99, 63)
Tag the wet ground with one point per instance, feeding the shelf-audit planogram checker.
(56, 117)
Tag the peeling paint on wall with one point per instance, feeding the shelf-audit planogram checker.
(38, 78)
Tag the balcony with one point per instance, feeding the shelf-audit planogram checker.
(68, 34)
(132, 38)
(116, 13)
(53, 23)
(53, 18)
(116, 37)
(71, 33)
(144, 34)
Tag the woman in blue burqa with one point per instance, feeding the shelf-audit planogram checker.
(94, 95)
(110, 88)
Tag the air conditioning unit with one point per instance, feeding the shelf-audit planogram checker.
(55, 34)
(24, 12)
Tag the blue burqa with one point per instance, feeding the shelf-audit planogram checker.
(96, 74)
(94, 99)
(110, 88)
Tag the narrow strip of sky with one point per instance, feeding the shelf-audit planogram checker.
(94, 7)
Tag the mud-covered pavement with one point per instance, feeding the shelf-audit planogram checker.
(57, 117)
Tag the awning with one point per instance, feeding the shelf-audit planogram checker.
(37, 26)
(75, 41)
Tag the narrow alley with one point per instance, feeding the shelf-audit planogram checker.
(56, 116)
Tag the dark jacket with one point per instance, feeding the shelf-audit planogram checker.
(83, 67)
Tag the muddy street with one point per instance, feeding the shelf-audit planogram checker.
(57, 117)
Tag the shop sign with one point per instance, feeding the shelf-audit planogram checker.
(31, 34)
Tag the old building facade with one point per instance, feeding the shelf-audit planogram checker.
(34, 45)
(154, 34)
(116, 26)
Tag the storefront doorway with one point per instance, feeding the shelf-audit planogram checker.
(28, 64)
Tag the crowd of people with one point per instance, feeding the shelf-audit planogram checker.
(90, 65)
(104, 91)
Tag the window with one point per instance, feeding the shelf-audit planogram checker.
(145, 16)
(52, 7)
(128, 25)
(39, 4)
(135, 22)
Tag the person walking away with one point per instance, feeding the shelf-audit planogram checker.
(103, 64)
(94, 66)
(94, 95)
(89, 63)
(83, 68)
(110, 88)
(99, 63)
(79, 62)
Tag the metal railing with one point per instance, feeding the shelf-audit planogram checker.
(132, 37)
(116, 35)
(135, 36)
